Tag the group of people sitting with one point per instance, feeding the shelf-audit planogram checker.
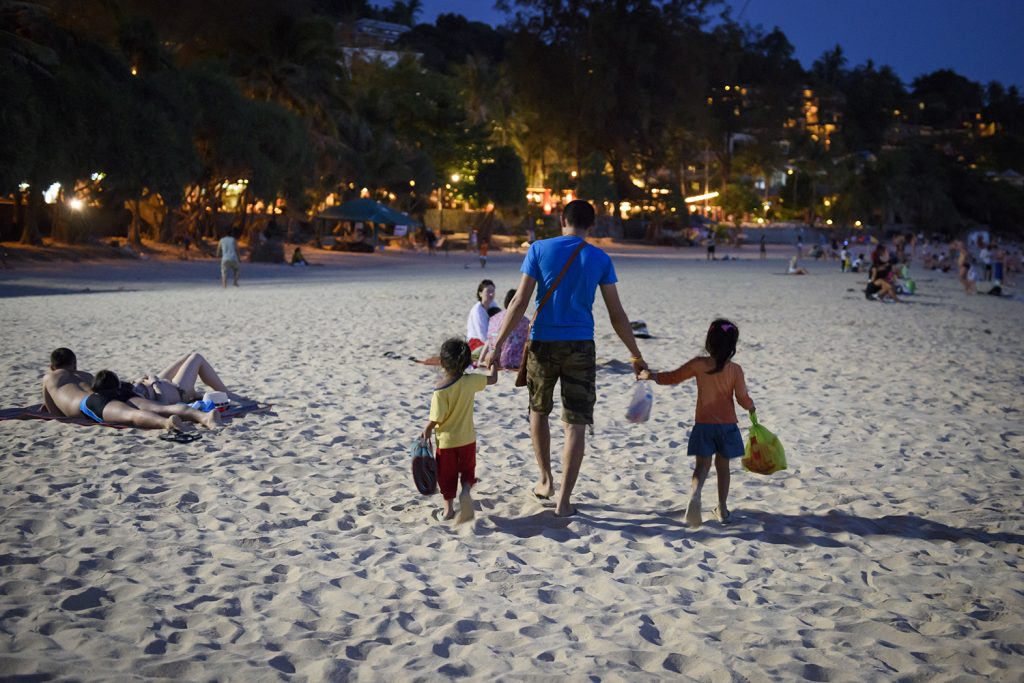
(888, 275)
(156, 401)
(484, 321)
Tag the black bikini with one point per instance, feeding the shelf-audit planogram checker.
(93, 404)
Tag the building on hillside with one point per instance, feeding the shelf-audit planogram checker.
(819, 116)
(371, 40)
(382, 32)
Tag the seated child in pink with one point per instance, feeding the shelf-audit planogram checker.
(451, 413)
(512, 351)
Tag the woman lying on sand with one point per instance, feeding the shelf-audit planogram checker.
(177, 382)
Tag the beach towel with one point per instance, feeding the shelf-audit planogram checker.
(764, 452)
(36, 412)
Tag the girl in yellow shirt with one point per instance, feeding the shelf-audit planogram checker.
(451, 413)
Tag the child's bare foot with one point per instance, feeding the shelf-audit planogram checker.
(693, 517)
(544, 491)
(465, 507)
(212, 419)
(449, 512)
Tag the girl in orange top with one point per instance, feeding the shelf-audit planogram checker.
(714, 431)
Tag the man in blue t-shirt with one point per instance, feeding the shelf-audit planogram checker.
(562, 341)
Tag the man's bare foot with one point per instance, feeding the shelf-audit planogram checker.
(212, 419)
(174, 424)
(693, 517)
(567, 511)
(465, 507)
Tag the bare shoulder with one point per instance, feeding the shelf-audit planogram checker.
(700, 364)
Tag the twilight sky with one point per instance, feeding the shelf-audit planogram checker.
(980, 39)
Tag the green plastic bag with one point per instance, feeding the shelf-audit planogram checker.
(764, 453)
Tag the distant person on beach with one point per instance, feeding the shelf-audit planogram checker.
(451, 413)
(227, 249)
(998, 264)
(512, 351)
(715, 432)
(967, 274)
(1012, 265)
(879, 254)
(764, 246)
(879, 283)
(485, 246)
(985, 259)
(298, 259)
(794, 269)
(186, 242)
(480, 314)
(711, 246)
(70, 392)
(561, 349)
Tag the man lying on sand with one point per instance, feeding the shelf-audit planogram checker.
(70, 392)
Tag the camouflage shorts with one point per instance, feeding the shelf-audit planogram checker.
(574, 363)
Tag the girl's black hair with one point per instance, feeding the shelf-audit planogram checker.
(721, 342)
(455, 357)
(105, 380)
(480, 287)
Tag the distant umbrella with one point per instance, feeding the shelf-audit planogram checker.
(367, 211)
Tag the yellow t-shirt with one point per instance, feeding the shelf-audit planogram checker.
(452, 409)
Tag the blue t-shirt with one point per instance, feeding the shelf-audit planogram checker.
(567, 316)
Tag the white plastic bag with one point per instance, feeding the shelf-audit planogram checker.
(639, 409)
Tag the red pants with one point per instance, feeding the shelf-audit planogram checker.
(453, 462)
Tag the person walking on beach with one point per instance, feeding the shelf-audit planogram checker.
(764, 246)
(561, 349)
(451, 413)
(715, 432)
(227, 249)
(967, 273)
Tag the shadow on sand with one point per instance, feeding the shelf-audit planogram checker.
(831, 530)
(8, 291)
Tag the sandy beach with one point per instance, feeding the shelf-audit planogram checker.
(293, 546)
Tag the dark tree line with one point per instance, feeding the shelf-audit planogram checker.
(609, 98)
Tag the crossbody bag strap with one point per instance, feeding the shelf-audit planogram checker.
(558, 279)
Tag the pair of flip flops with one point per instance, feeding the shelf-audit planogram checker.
(640, 329)
(180, 437)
